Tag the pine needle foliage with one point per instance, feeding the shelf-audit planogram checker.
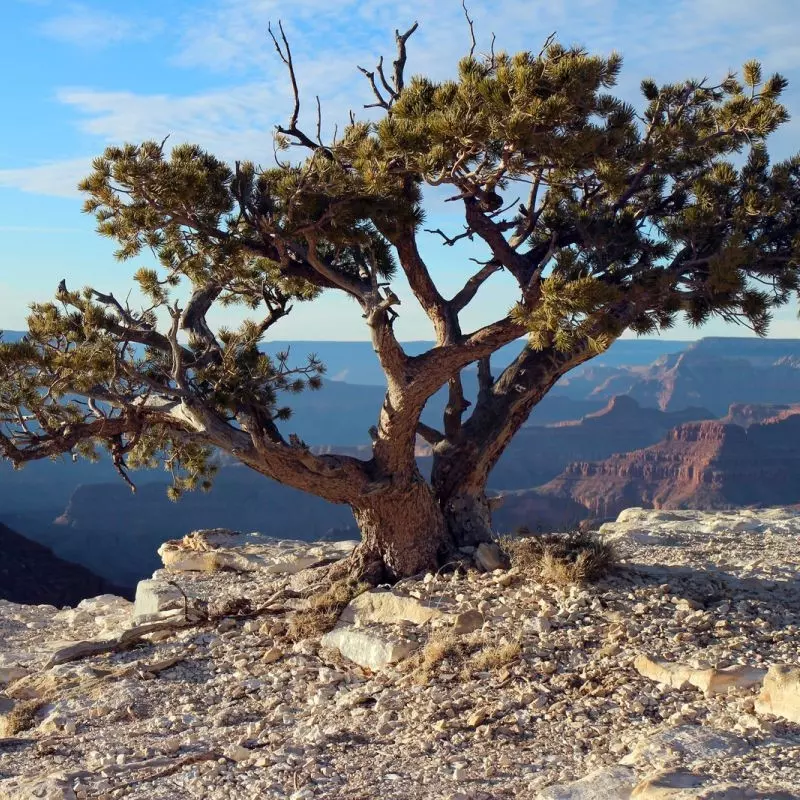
(608, 216)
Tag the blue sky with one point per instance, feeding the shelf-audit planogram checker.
(81, 75)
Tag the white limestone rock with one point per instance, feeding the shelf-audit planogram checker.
(372, 648)
(610, 783)
(221, 549)
(388, 607)
(780, 694)
(154, 598)
(684, 745)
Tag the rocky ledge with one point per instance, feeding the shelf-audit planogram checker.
(675, 677)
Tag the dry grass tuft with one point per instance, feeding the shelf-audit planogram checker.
(324, 609)
(561, 559)
(491, 658)
(20, 717)
(443, 649)
(461, 654)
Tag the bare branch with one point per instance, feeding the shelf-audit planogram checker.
(429, 434)
(285, 53)
(471, 28)
(381, 102)
(464, 296)
(400, 62)
(451, 240)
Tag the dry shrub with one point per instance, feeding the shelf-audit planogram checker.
(444, 648)
(324, 609)
(561, 558)
(20, 717)
(462, 654)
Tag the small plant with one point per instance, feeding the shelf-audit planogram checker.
(324, 609)
(561, 559)
(21, 717)
(444, 648)
(491, 658)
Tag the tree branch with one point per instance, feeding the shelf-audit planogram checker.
(399, 63)
(293, 129)
(429, 434)
(465, 295)
(471, 28)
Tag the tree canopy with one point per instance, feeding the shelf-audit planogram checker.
(609, 218)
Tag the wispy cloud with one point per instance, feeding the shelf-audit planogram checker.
(56, 179)
(87, 27)
(230, 37)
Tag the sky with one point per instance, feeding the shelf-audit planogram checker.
(79, 76)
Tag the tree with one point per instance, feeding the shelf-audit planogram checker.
(608, 220)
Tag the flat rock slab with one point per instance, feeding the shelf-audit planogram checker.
(51, 787)
(388, 607)
(682, 785)
(372, 648)
(709, 681)
(611, 783)
(221, 549)
(685, 746)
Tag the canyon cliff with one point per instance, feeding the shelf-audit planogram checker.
(709, 465)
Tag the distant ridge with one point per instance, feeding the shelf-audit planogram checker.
(31, 573)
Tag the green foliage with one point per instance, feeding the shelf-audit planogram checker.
(609, 218)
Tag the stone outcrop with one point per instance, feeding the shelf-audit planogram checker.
(458, 685)
(220, 549)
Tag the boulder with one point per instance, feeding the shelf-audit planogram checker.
(371, 648)
(467, 622)
(489, 557)
(153, 598)
(780, 693)
(610, 783)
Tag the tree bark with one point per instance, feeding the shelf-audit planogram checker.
(462, 495)
(403, 532)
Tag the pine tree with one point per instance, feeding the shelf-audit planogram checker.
(629, 220)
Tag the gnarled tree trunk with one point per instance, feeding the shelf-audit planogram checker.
(403, 532)
(461, 492)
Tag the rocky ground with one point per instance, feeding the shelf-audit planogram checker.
(671, 678)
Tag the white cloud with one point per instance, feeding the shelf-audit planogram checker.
(88, 27)
(330, 38)
(55, 179)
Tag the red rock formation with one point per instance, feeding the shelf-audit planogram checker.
(703, 465)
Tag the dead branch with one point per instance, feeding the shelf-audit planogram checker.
(400, 62)
(471, 28)
(285, 53)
